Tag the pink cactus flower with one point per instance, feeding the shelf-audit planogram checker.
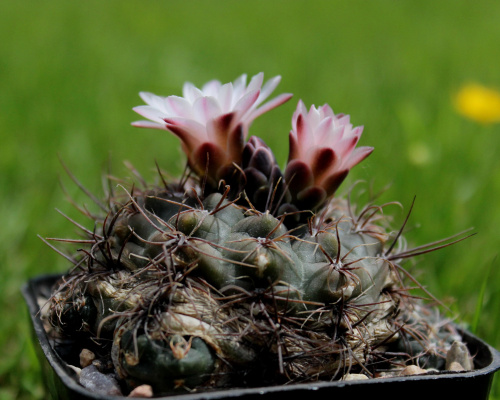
(211, 122)
(322, 151)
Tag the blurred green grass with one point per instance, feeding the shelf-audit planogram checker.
(70, 73)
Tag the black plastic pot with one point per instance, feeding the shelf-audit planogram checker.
(61, 384)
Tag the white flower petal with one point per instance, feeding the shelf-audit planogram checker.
(211, 88)
(178, 107)
(149, 124)
(150, 113)
(344, 120)
(153, 100)
(205, 109)
(191, 92)
(268, 88)
(301, 110)
(323, 131)
(225, 97)
(239, 86)
(326, 111)
(256, 82)
(357, 156)
(246, 102)
(277, 101)
(188, 128)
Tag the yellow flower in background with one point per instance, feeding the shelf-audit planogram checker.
(478, 103)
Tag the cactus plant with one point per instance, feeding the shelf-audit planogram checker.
(239, 274)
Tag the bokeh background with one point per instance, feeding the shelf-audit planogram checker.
(70, 73)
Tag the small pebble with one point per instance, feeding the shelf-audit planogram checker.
(412, 370)
(97, 382)
(455, 366)
(354, 377)
(86, 358)
(459, 353)
(144, 391)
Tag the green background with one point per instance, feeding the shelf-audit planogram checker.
(70, 72)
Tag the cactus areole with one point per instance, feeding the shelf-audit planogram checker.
(241, 274)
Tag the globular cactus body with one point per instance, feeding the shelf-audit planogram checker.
(202, 285)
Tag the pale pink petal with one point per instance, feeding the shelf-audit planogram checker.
(277, 101)
(178, 107)
(211, 88)
(191, 133)
(313, 116)
(344, 119)
(326, 111)
(256, 82)
(301, 131)
(357, 131)
(150, 113)
(191, 92)
(323, 131)
(218, 130)
(149, 124)
(205, 109)
(153, 100)
(345, 147)
(301, 110)
(246, 102)
(239, 87)
(225, 97)
(357, 156)
(308, 153)
(336, 135)
(194, 128)
(268, 88)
